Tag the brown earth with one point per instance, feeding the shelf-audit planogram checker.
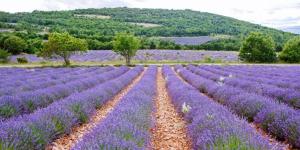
(170, 128)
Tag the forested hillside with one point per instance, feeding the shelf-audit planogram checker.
(99, 25)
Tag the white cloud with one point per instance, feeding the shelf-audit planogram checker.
(273, 13)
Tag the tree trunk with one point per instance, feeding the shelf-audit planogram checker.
(67, 61)
(127, 60)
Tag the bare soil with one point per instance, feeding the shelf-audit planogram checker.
(170, 128)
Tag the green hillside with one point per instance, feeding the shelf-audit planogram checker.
(99, 25)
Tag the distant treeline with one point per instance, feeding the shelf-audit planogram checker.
(98, 26)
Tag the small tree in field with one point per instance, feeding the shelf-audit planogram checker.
(291, 51)
(63, 45)
(126, 44)
(258, 47)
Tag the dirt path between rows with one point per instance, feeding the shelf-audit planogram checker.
(170, 128)
(67, 141)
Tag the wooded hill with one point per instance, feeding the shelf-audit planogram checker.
(99, 25)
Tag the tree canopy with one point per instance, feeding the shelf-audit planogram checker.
(21, 42)
(258, 47)
(14, 44)
(63, 45)
(291, 51)
(126, 44)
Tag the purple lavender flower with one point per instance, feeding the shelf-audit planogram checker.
(128, 125)
(36, 130)
(210, 125)
(275, 118)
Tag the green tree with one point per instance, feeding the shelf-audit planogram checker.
(258, 47)
(15, 45)
(63, 45)
(3, 37)
(152, 45)
(291, 51)
(126, 45)
(4, 56)
(34, 46)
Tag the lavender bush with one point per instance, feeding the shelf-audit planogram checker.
(36, 130)
(277, 119)
(285, 95)
(128, 126)
(26, 102)
(52, 78)
(210, 125)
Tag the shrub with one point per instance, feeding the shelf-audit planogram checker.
(34, 46)
(291, 51)
(258, 47)
(208, 59)
(15, 45)
(22, 60)
(3, 37)
(4, 56)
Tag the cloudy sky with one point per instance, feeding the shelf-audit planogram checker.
(272, 13)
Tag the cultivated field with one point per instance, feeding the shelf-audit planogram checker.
(144, 56)
(169, 107)
(191, 40)
(145, 25)
(92, 16)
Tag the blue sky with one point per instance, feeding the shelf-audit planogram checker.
(272, 13)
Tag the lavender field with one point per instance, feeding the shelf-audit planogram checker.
(189, 40)
(171, 107)
(146, 55)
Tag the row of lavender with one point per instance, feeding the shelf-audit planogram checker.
(16, 77)
(36, 130)
(284, 77)
(287, 72)
(277, 119)
(44, 80)
(288, 96)
(210, 125)
(128, 126)
(29, 73)
(146, 55)
(27, 102)
(6, 72)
